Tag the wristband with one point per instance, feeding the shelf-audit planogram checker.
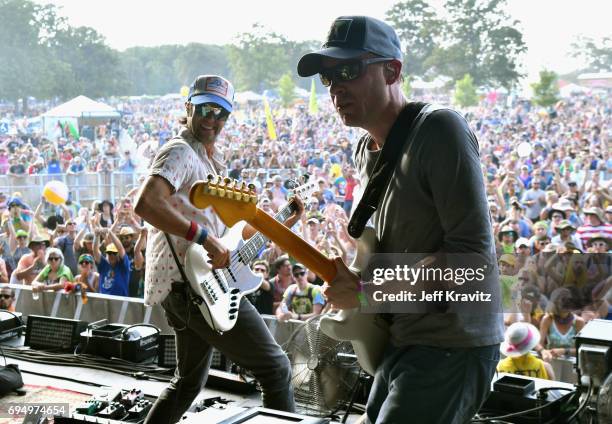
(193, 228)
(201, 236)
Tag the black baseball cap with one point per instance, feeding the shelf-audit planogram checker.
(349, 37)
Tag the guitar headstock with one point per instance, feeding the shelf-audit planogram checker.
(305, 190)
(233, 201)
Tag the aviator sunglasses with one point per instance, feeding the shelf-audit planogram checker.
(348, 71)
(205, 109)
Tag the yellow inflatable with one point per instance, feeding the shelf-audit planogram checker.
(55, 192)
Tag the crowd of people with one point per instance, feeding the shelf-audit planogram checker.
(549, 203)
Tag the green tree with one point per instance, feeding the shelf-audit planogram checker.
(88, 63)
(546, 91)
(286, 89)
(475, 37)
(482, 41)
(151, 70)
(196, 59)
(26, 69)
(258, 59)
(418, 28)
(465, 92)
(596, 53)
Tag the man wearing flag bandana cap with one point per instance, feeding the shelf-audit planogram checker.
(164, 203)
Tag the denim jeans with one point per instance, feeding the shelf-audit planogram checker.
(423, 385)
(249, 344)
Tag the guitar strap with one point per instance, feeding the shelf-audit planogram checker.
(192, 296)
(384, 166)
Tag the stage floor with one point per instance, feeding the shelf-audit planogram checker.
(47, 383)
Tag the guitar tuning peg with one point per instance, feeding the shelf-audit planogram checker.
(210, 178)
(243, 186)
(253, 198)
(251, 188)
(236, 193)
(227, 180)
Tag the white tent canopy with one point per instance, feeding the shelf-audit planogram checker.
(569, 89)
(82, 107)
(79, 108)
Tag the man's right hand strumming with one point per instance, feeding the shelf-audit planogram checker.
(217, 253)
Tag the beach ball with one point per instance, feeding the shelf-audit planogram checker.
(55, 192)
(524, 149)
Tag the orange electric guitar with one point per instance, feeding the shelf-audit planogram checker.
(234, 203)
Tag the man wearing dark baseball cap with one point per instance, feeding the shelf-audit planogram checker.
(433, 200)
(349, 38)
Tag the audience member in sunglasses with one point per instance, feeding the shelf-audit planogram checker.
(263, 298)
(55, 274)
(435, 202)
(164, 203)
(7, 299)
(302, 300)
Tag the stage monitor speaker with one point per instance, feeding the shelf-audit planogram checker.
(50, 333)
(11, 324)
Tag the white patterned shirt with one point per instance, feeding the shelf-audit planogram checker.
(182, 161)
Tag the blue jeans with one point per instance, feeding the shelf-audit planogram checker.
(423, 385)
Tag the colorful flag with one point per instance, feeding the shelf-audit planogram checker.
(313, 106)
(269, 121)
(74, 132)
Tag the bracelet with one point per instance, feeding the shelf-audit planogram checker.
(202, 235)
(193, 228)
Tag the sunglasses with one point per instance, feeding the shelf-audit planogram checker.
(299, 274)
(71, 223)
(348, 71)
(111, 253)
(6, 296)
(205, 109)
(262, 270)
(54, 258)
(84, 263)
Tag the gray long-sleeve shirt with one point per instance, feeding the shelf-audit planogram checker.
(436, 202)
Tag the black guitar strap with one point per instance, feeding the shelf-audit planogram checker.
(183, 276)
(383, 168)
